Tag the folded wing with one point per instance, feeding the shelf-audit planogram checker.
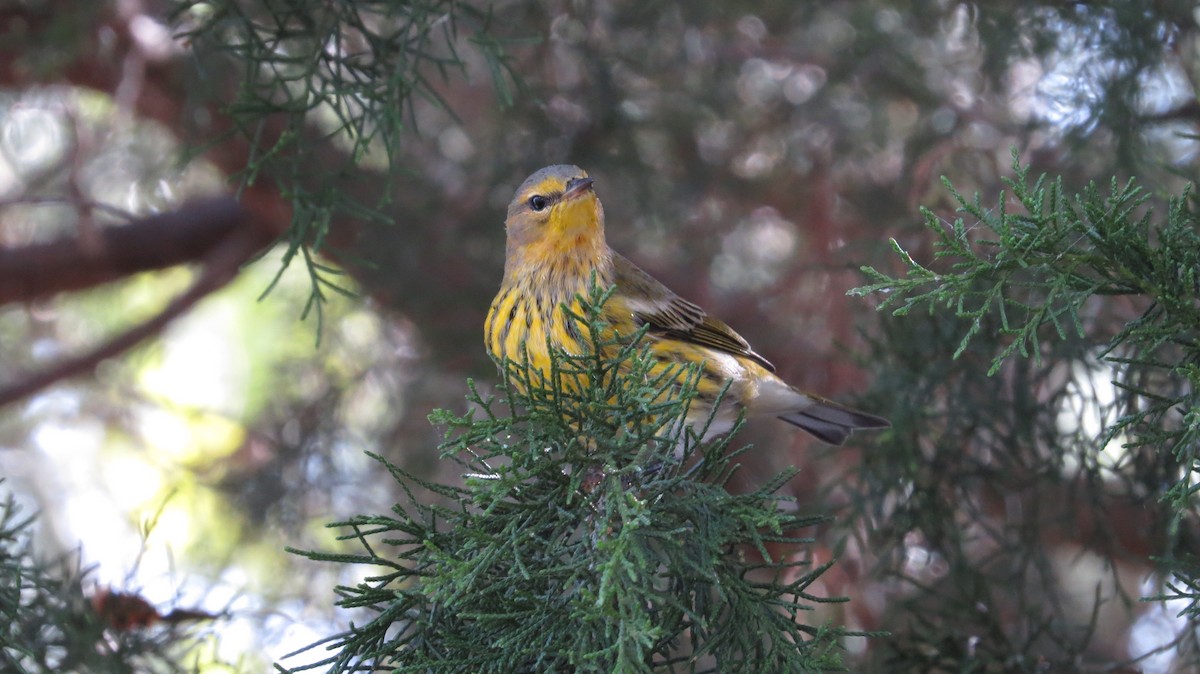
(673, 317)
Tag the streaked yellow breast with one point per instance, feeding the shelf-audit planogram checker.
(524, 324)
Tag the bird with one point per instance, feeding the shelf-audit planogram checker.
(556, 249)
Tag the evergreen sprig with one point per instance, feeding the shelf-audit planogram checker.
(48, 624)
(594, 532)
(1051, 266)
(346, 72)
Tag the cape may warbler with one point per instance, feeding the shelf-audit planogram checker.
(556, 243)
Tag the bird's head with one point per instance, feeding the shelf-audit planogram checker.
(555, 213)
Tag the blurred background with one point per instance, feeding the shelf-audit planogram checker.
(751, 155)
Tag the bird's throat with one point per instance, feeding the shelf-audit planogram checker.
(565, 265)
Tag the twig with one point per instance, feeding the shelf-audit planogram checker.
(185, 235)
(221, 265)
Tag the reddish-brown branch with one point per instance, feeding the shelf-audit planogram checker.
(220, 234)
(34, 272)
(221, 262)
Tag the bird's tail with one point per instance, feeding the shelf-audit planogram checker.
(831, 422)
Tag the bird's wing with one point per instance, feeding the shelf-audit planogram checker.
(669, 315)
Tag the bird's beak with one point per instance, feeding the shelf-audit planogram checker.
(576, 187)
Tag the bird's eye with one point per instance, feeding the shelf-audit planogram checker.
(538, 203)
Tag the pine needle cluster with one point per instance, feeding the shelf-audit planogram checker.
(997, 464)
(593, 532)
(356, 71)
(48, 624)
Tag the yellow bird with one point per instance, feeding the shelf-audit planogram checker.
(556, 242)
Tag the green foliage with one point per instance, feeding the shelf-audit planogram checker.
(1096, 285)
(352, 70)
(593, 533)
(48, 625)
(1047, 262)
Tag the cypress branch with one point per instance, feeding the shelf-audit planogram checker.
(49, 624)
(592, 532)
(1037, 280)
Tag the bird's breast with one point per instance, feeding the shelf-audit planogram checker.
(527, 319)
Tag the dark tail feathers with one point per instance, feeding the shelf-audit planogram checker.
(832, 423)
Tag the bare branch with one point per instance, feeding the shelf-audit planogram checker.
(180, 234)
(186, 235)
